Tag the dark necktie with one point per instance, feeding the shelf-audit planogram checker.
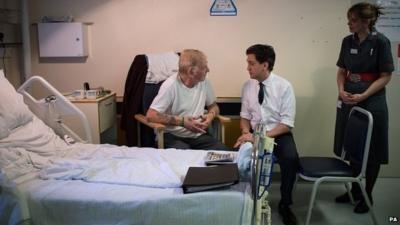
(261, 93)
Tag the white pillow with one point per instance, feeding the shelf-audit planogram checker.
(13, 110)
(4, 131)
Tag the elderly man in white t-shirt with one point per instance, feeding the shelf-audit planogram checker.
(181, 102)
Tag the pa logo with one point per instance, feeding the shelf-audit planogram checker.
(393, 219)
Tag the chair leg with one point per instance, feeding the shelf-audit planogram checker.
(311, 205)
(348, 188)
(160, 139)
(138, 135)
(366, 198)
(222, 131)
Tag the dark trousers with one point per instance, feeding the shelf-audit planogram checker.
(288, 159)
(371, 174)
(204, 142)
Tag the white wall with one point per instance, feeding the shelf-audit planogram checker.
(306, 35)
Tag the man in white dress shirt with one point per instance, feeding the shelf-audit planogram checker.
(269, 99)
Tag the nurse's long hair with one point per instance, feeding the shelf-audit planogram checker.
(366, 11)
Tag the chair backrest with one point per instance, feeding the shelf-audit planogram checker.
(150, 91)
(357, 137)
(161, 63)
(133, 95)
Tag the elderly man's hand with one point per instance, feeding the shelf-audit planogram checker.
(205, 120)
(194, 125)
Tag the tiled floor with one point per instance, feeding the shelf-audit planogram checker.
(327, 212)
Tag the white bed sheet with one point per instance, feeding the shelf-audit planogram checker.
(51, 182)
(78, 202)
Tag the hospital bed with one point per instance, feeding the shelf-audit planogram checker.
(47, 180)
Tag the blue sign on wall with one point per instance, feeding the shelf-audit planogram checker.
(223, 8)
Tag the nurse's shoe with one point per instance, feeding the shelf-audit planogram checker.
(361, 207)
(344, 198)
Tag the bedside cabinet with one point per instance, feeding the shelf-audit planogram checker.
(101, 113)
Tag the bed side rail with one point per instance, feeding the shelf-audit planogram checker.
(53, 108)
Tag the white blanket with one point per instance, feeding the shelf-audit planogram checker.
(35, 147)
(27, 149)
(120, 165)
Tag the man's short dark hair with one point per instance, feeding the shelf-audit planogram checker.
(263, 53)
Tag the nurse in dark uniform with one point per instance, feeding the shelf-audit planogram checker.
(365, 67)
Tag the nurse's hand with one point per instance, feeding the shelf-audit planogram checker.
(345, 96)
(357, 98)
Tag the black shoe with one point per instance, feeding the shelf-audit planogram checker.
(288, 218)
(344, 198)
(361, 207)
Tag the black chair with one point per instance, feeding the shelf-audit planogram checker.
(329, 169)
(149, 132)
(133, 96)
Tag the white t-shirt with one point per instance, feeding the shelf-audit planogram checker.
(279, 105)
(174, 98)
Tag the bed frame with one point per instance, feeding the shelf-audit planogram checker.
(53, 108)
(261, 169)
